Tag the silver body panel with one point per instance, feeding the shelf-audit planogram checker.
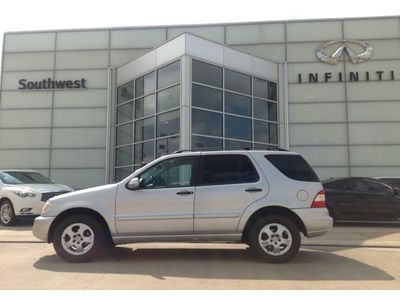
(209, 213)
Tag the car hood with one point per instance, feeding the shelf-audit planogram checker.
(86, 193)
(43, 188)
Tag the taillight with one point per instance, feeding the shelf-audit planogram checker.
(319, 200)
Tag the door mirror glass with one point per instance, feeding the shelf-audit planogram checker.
(133, 184)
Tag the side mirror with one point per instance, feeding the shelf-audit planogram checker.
(133, 184)
(396, 191)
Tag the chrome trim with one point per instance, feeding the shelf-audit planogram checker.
(344, 48)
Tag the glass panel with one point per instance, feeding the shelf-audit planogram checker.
(206, 73)
(145, 106)
(169, 98)
(235, 145)
(205, 143)
(261, 147)
(174, 172)
(145, 84)
(237, 128)
(125, 93)
(168, 123)
(144, 129)
(260, 109)
(168, 75)
(272, 91)
(273, 133)
(125, 134)
(228, 169)
(237, 104)
(123, 156)
(237, 82)
(122, 173)
(205, 122)
(261, 133)
(272, 111)
(125, 113)
(168, 145)
(144, 152)
(260, 88)
(206, 97)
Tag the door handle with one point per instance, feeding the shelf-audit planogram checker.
(253, 190)
(184, 192)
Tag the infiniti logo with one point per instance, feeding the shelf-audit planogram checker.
(331, 52)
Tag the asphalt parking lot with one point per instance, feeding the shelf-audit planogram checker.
(349, 257)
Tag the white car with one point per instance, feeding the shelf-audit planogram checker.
(24, 193)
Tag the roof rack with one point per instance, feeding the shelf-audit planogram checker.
(226, 148)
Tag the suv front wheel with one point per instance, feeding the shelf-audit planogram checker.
(275, 239)
(78, 238)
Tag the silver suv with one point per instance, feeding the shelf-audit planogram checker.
(262, 198)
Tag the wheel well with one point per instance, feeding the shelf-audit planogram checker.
(4, 199)
(84, 211)
(273, 211)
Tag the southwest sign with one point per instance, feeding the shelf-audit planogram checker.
(49, 84)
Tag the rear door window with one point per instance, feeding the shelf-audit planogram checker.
(227, 169)
(293, 166)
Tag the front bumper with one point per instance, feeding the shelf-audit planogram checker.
(41, 227)
(316, 220)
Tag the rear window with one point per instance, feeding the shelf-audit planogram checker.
(293, 166)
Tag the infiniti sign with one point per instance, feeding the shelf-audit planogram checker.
(332, 52)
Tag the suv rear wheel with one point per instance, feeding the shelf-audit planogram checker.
(275, 239)
(78, 238)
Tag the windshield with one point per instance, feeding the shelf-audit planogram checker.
(23, 177)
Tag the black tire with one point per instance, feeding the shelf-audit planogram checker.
(78, 229)
(261, 232)
(7, 214)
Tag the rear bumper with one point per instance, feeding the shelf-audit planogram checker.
(41, 227)
(316, 220)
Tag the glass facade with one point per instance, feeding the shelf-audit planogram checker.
(232, 110)
(147, 118)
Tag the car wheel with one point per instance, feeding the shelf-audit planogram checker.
(7, 214)
(78, 238)
(275, 239)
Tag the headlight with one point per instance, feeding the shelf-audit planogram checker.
(46, 208)
(24, 194)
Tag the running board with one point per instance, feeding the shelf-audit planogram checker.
(225, 237)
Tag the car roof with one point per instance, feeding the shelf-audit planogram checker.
(387, 177)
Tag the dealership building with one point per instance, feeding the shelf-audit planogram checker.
(87, 107)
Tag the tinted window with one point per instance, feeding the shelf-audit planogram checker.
(204, 143)
(125, 92)
(169, 98)
(168, 75)
(206, 122)
(260, 88)
(206, 73)
(237, 104)
(237, 128)
(125, 113)
(206, 97)
(145, 106)
(366, 186)
(394, 182)
(228, 169)
(337, 185)
(237, 82)
(145, 84)
(293, 166)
